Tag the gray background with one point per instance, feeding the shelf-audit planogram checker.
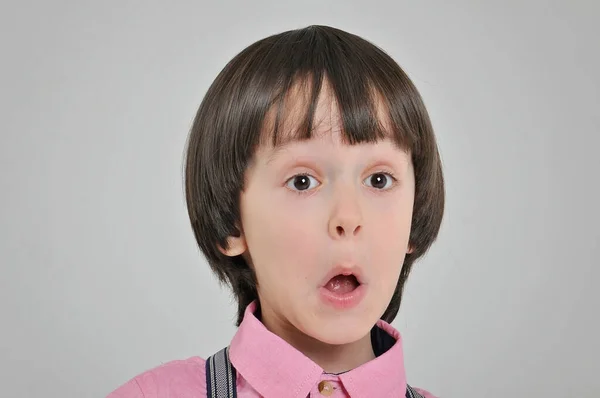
(100, 275)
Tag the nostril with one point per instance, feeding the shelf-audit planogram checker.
(341, 231)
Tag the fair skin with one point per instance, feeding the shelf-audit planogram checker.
(311, 206)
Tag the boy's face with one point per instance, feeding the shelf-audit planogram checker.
(316, 208)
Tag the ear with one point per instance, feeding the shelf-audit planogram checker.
(410, 249)
(236, 245)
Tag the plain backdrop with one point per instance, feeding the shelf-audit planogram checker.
(101, 278)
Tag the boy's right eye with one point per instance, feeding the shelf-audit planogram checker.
(302, 182)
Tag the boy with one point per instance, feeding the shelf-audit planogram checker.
(313, 183)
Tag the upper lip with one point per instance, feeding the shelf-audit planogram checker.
(343, 270)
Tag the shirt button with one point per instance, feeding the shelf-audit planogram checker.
(325, 388)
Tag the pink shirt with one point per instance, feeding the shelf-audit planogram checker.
(267, 366)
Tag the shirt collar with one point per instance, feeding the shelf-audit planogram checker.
(276, 369)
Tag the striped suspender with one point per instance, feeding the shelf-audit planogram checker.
(220, 378)
(412, 393)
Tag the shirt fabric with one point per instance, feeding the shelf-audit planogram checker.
(267, 366)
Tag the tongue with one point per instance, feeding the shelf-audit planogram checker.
(342, 284)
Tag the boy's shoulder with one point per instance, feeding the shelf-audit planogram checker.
(182, 377)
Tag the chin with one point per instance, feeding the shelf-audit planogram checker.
(343, 330)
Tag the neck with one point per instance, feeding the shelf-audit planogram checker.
(331, 358)
(337, 358)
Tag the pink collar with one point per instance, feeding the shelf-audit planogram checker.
(276, 369)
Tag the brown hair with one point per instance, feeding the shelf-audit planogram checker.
(232, 117)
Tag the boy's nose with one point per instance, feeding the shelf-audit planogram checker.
(346, 218)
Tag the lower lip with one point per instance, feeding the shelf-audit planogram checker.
(343, 301)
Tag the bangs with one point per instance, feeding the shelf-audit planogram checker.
(294, 114)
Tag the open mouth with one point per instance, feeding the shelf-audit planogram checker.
(342, 284)
(344, 289)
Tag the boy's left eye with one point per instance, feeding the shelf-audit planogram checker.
(380, 181)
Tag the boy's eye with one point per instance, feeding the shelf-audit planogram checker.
(302, 182)
(380, 181)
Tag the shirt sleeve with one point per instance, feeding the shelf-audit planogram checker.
(179, 378)
(131, 389)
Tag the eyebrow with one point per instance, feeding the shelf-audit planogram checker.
(278, 150)
(275, 154)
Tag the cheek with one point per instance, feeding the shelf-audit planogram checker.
(389, 241)
(281, 240)
(395, 228)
